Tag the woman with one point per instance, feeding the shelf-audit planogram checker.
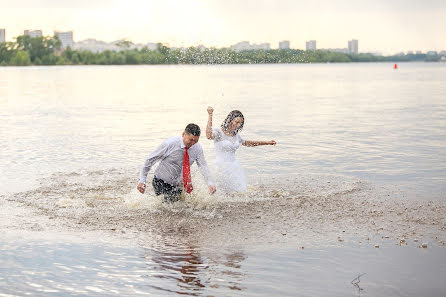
(230, 175)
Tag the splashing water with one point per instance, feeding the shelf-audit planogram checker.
(306, 207)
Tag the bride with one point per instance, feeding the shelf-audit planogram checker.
(230, 175)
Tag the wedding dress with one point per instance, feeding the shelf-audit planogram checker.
(230, 176)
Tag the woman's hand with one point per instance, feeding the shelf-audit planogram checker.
(210, 110)
(272, 142)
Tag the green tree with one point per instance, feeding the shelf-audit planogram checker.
(162, 49)
(124, 44)
(117, 58)
(50, 59)
(38, 47)
(7, 51)
(132, 57)
(45, 51)
(68, 54)
(21, 58)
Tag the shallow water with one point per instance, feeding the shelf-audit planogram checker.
(360, 162)
(98, 265)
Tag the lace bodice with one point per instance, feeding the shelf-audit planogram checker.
(226, 146)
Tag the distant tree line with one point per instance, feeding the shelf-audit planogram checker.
(28, 50)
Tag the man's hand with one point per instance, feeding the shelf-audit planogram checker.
(141, 187)
(212, 189)
(210, 110)
(272, 142)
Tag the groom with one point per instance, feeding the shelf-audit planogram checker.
(176, 154)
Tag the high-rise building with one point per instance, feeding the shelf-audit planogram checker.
(241, 46)
(284, 44)
(246, 46)
(310, 45)
(353, 46)
(261, 46)
(2, 35)
(33, 33)
(66, 38)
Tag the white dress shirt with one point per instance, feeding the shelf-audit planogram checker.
(170, 154)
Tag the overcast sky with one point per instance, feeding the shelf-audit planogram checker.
(386, 26)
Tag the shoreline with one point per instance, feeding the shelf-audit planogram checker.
(229, 64)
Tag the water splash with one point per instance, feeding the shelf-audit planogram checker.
(296, 208)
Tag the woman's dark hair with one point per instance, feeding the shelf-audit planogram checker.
(192, 129)
(231, 116)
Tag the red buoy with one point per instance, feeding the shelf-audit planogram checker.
(395, 66)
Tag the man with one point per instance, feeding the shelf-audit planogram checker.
(176, 155)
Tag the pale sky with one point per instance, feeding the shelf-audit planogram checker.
(386, 26)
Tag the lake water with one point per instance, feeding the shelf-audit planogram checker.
(355, 185)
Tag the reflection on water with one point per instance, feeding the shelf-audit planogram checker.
(98, 265)
(183, 270)
(182, 264)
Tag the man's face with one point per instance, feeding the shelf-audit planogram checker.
(189, 139)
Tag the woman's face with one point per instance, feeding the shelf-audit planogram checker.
(236, 124)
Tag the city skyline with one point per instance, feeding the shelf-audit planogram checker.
(95, 45)
(388, 28)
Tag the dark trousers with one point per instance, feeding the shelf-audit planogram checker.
(171, 193)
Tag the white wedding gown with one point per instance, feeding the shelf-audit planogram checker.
(230, 175)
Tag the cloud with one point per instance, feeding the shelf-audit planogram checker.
(30, 4)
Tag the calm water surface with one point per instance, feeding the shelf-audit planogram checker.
(360, 162)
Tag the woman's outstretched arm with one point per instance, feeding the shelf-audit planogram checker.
(257, 143)
(209, 133)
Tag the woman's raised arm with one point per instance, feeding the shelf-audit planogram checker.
(209, 133)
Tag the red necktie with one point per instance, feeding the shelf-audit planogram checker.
(187, 181)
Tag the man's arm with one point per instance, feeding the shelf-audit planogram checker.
(204, 169)
(156, 155)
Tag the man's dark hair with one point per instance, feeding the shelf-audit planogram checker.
(193, 129)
